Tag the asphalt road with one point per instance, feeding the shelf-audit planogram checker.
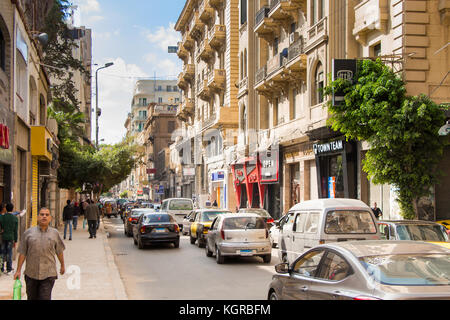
(163, 272)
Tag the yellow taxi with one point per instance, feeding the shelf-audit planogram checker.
(445, 223)
(201, 223)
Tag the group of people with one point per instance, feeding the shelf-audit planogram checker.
(88, 209)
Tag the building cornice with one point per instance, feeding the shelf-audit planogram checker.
(185, 14)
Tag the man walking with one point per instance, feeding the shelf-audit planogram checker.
(92, 216)
(68, 219)
(9, 224)
(2, 212)
(38, 248)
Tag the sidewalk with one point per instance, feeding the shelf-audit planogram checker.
(99, 277)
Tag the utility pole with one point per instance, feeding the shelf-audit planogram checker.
(109, 64)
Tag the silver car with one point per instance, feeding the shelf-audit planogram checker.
(187, 221)
(238, 234)
(365, 270)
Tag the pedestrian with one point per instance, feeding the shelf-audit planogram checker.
(76, 214)
(377, 211)
(2, 212)
(68, 219)
(38, 247)
(214, 203)
(92, 216)
(9, 223)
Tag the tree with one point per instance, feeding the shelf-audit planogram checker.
(402, 131)
(124, 194)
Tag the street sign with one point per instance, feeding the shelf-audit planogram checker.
(342, 69)
(172, 49)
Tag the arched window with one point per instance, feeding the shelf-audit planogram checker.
(318, 84)
(2, 51)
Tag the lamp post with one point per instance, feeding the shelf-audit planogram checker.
(109, 64)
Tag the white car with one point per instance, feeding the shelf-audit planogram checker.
(274, 233)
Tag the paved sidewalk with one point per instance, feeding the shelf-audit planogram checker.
(92, 259)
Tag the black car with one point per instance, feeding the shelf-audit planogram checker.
(156, 228)
(132, 219)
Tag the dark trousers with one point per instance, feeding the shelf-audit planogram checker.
(39, 289)
(92, 227)
(7, 253)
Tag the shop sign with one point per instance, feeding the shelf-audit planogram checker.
(328, 147)
(269, 165)
(4, 137)
(159, 189)
(188, 171)
(342, 69)
(240, 175)
(151, 171)
(217, 176)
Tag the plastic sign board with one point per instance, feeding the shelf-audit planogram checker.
(342, 69)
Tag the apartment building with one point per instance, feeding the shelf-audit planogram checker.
(209, 106)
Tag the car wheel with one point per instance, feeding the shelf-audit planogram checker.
(140, 244)
(273, 296)
(220, 259)
(192, 239)
(208, 252)
(267, 258)
(176, 244)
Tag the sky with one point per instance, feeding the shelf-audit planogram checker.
(134, 35)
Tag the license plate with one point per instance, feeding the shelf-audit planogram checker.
(160, 230)
(246, 252)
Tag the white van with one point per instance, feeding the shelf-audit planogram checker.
(178, 208)
(314, 222)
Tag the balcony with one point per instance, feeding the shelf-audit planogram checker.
(182, 52)
(182, 83)
(188, 71)
(216, 4)
(206, 12)
(216, 79)
(223, 117)
(187, 41)
(317, 33)
(185, 109)
(264, 26)
(196, 26)
(275, 65)
(260, 76)
(370, 15)
(217, 36)
(243, 86)
(283, 10)
(205, 52)
(203, 91)
(296, 61)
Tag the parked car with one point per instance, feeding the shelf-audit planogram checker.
(239, 235)
(156, 227)
(177, 207)
(187, 223)
(133, 218)
(130, 206)
(274, 231)
(201, 222)
(365, 270)
(110, 208)
(147, 205)
(262, 213)
(315, 222)
(417, 230)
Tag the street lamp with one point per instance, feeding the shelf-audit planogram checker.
(109, 64)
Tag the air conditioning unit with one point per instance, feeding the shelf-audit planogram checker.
(293, 37)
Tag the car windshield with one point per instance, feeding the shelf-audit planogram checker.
(211, 215)
(409, 270)
(180, 205)
(421, 232)
(157, 218)
(349, 221)
(238, 223)
(260, 212)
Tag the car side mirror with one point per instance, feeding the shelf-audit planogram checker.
(282, 268)
(191, 220)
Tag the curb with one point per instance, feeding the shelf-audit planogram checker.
(119, 288)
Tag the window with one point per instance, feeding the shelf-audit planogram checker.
(275, 112)
(175, 89)
(159, 88)
(243, 11)
(180, 205)
(377, 50)
(300, 222)
(308, 265)
(171, 126)
(157, 218)
(321, 9)
(169, 88)
(313, 12)
(2, 52)
(317, 95)
(177, 100)
(244, 223)
(422, 232)
(160, 99)
(334, 268)
(275, 46)
(349, 221)
(312, 223)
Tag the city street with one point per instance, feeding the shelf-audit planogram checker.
(163, 272)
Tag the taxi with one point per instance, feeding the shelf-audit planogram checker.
(201, 221)
(446, 224)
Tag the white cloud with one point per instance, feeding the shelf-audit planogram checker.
(87, 13)
(116, 85)
(164, 37)
(88, 6)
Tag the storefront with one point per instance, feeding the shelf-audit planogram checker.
(336, 165)
(6, 156)
(219, 188)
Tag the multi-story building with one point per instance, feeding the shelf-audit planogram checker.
(209, 50)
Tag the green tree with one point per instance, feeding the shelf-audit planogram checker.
(124, 194)
(402, 131)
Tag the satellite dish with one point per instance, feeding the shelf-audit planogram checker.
(445, 130)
